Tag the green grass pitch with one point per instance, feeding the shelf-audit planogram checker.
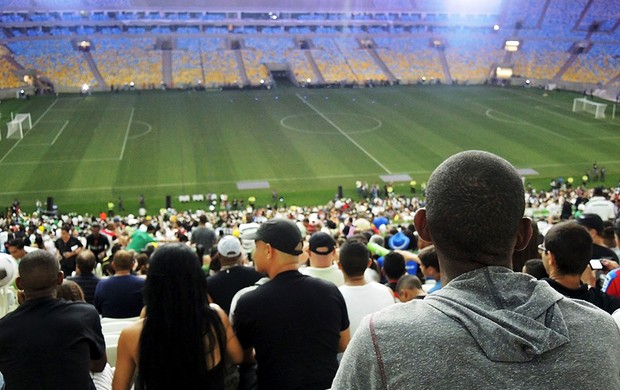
(86, 151)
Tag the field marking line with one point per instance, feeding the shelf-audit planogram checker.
(58, 161)
(343, 133)
(60, 132)
(35, 123)
(518, 121)
(149, 128)
(126, 134)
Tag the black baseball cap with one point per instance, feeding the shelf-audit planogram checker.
(282, 234)
(321, 240)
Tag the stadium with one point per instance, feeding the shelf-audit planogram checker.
(175, 101)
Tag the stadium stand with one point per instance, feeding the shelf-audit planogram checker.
(123, 60)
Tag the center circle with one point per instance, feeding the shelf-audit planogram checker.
(362, 123)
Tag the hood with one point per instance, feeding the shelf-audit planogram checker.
(512, 316)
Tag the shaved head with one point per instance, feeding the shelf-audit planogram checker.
(39, 272)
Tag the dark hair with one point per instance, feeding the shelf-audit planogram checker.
(474, 204)
(394, 265)
(142, 260)
(428, 257)
(39, 270)
(571, 244)
(16, 242)
(354, 258)
(70, 291)
(86, 261)
(536, 268)
(178, 320)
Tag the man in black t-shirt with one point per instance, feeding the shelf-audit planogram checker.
(67, 248)
(49, 343)
(294, 325)
(97, 242)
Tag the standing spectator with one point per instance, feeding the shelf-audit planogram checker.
(599, 204)
(566, 253)
(67, 248)
(49, 343)
(489, 326)
(98, 243)
(594, 225)
(181, 331)
(294, 325)
(429, 265)
(321, 254)
(84, 277)
(409, 287)
(393, 269)
(362, 297)
(120, 295)
(232, 276)
(140, 239)
(203, 235)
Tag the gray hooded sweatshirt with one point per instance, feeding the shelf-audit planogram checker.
(487, 329)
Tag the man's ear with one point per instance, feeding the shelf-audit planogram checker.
(524, 234)
(19, 283)
(421, 225)
(60, 277)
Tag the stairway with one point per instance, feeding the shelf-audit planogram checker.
(569, 62)
(241, 66)
(315, 68)
(166, 67)
(444, 64)
(93, 68)
(379, 61)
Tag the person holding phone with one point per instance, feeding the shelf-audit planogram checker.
(566, 254)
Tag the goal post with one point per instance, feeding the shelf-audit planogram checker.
(15, 128)
(583, 104)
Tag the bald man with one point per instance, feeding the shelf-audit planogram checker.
(49, 343)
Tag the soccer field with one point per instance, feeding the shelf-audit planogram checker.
(302, 143)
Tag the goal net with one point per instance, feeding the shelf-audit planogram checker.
(15, 128)
(583, 104)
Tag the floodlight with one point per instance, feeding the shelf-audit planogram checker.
(85, 88)
(496, 27)
(308, 81)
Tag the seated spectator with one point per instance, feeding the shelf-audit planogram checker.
(18, 249)
(49, 343)
(409, 287)
(120, 295)
(181, 333)
(321, 255)
(85, 264)
(536, 268)
(71, 291)
(429, 264)
(566, 254)
(361, 297)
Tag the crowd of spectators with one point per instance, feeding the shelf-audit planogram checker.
(368, 248)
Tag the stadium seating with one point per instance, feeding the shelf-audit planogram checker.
(124, 60)
(55, 59)
(8, 77)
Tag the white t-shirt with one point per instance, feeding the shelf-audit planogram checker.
(364, 300)
(331, 274)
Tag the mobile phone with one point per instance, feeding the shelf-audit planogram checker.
(596, 264)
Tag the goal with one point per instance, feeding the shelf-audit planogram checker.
(15, 128)
(583, 104)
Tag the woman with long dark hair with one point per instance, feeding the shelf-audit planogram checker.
(183, 342)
